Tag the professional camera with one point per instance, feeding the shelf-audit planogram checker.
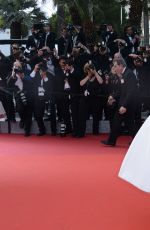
(18, 69)
(102, 46)
(138, 60)
(120, 42)
(29, 53)
(91, 66)
(20, 96)
(42, 67)
(46, 54)
(70, 27)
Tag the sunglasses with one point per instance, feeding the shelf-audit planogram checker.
(15, 48)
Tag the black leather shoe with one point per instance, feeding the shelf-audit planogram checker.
(80, 136)
(41, 134)
(21, 124)
(108, 143)
(27, 134)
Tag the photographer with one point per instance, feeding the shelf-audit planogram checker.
(35, 39)
(90, 101)
(141, 71)
(81, 55)
(23, 96)
(132, 40)
(101, 58)
(114, 88)
(62, 87)
(65, 43)
(48, 37)
(109, 36)
(43, 90)
(73, 78)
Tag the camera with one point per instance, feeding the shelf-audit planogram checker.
(21, 97)
(18, 69)
(102, 46)
(29, 53)
(42, 67)
(70, 27)
(121, 44)
(138, 60)
(46, 54)
(91, 66)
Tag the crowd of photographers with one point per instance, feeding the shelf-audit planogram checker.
(72, 78)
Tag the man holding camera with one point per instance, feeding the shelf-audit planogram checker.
(43, 88)
(22, 88)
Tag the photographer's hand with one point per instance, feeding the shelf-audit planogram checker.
(122, 110)
(85, 80)
(98, 77)
(36, 68)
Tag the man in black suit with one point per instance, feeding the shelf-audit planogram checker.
(43, 88)
(35, 39)
(61, 87)
(48, 38)
(64, 43)
(125, 111)
(132, 40)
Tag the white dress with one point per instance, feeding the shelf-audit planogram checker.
(136, 165)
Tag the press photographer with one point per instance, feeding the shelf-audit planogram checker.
(23, 94)
(90, 101)
(43, 90)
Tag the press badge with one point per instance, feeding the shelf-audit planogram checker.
(41, 91)
(122, 81)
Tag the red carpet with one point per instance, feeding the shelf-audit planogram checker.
(53, 183)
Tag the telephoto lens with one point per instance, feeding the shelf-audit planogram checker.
(23, 98)
(62, 130)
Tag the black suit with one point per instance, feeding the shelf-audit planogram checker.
(24, 101)
(40, 99)
(48, 40)
(62, 98)
(127, 100)
(33, 42)
(131, 47)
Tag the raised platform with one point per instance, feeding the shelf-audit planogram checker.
(15, 129)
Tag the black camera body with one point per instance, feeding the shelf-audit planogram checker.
(46, 54)
(70, 27)
(42, 66)
(18, 70)
(91, 66)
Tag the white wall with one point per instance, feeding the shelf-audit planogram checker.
(5, 34)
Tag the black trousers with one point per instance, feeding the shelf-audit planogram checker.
(25, 113)
(63, 104)
(8, 103)
(74, 105)
(128, 119)
(39, 108)
(88, 104)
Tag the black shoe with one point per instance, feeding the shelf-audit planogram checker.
(41, 134)
(53, 134)
(80, 136)
(108, 143)
(27, 134)
(74, 134)
(21, 124)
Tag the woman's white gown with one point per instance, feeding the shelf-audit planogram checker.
(136, 165)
